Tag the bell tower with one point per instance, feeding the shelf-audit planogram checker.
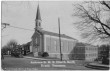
(38, 19)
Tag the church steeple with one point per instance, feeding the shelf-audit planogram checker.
(38, 19)
(38, 16)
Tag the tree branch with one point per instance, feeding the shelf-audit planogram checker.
(104, 3)
(91, 15)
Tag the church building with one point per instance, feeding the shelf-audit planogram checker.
(45, 41)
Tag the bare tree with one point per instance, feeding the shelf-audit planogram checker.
(12, 44)
(94, 19)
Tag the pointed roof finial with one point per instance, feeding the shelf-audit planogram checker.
(38, 16)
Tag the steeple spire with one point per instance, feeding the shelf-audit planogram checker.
(38, 16)
(38, 19)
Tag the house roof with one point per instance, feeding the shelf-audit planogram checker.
(53, 34)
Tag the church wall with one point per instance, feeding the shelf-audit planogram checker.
(34, 49)
(37, 44)
(51, 45)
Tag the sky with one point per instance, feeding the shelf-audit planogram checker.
(22, 14)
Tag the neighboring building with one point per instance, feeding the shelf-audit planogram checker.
(45, 41)
(83, 51)
(91, 52)
(79, 51)
(104, 54)
(26, 48)
(103, 51)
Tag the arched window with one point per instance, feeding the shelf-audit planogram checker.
(55, 45)
(36, 41)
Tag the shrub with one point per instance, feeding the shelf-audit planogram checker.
(45, 54)
(105, 61)
(16, 53)
(20, 56)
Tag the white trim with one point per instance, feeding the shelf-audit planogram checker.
(44, 43)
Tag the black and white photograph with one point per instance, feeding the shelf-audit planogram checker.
(55, 35)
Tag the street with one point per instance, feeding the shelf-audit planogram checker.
(12, 63)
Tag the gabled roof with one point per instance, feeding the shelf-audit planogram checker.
(35, 34)
(53, 34)
(56, 34)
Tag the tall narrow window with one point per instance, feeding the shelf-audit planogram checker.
(48, 44)
(67, 46)
(55, 45)
(36, 41)
(39, 24)
(48, 48)
(86, 48)
(61, 44)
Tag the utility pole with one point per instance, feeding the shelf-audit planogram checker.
(60, 39)
(5, 24)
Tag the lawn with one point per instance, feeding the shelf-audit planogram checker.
(31, 64)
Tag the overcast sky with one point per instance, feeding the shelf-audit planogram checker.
(22, 14)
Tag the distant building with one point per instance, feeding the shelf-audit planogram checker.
(91, 52)
(25, 48)
(83, 51)
(45, 41)
(104, 53)
(79, 51)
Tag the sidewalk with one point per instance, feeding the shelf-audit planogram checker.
(98, 66)
(36, 58)
(45, 58)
